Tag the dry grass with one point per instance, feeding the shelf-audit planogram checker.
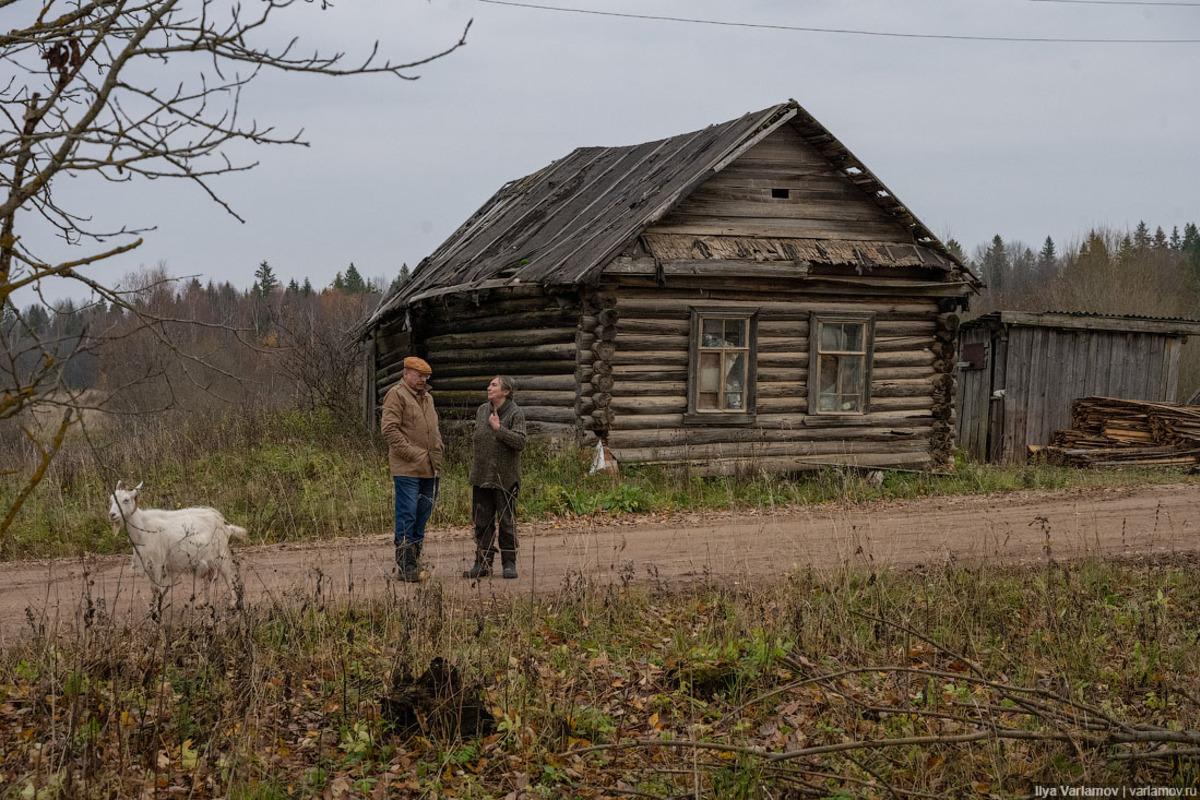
(288, 476)
(283, 700)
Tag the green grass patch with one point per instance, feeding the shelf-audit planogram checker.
(291, 475)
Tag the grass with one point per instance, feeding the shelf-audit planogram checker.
(283, 700)
(288, 475)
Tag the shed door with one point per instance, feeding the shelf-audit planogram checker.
(974, 391)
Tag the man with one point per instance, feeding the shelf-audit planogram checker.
(498, 440)
(415, 453)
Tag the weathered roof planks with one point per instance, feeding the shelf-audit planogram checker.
(563, 223)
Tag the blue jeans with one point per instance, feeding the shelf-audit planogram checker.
(414, 505)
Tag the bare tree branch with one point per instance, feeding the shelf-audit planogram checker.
(88, 94)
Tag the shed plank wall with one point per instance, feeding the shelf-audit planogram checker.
(1044, 369)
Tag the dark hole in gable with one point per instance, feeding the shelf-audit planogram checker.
(780, 194)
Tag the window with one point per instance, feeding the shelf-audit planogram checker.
(840, 354)
(781, 194)
(722, 374)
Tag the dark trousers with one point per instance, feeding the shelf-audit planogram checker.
(414, 504)
(489, 507)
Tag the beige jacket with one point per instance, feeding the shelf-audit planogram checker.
(410, 427)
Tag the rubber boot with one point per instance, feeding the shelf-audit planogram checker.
(409, 570)
(509, 562)
(418, 569)
(482, 569)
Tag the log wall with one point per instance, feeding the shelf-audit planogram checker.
(522, 332)
(385, 353)
(909, 422)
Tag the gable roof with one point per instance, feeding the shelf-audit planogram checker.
(565, 222)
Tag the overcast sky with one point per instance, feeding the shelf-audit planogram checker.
(976, 137)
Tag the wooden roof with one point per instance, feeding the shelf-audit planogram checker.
(1089, 321)
(565, 222)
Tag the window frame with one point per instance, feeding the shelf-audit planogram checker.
(715, 417)
(820, 318)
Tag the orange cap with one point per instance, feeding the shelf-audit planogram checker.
(418, 364)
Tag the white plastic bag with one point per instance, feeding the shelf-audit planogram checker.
(602, 460)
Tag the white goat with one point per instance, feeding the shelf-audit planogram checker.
(167, 544)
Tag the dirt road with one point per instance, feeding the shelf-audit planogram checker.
(741, 546)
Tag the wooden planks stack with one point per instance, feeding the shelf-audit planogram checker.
(1108, 432)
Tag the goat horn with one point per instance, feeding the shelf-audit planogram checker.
(120, 484)
(138, 488)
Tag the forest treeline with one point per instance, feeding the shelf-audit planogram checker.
(1107, 271)
(199, 345)
(190, 345)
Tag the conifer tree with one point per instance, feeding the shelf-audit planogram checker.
(354, 281)
(1125, 253)
(306, 289)
(402, 278)
(37, 319)
(995, 265)
(1191, 237)
(1160, 239)
(1047, 257)
(293, 287)
(264, 279)
(339, 283)
(1176, 242)
(952, 245)
(1190, 246)
(1141, 236)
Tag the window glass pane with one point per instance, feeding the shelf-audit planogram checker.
(831, 336)
(710, 372)
(841, 380)
(722, 379)
(735, 332)
(711, 333)
(843, 336)
(735, 381)
(852, 335)
(828, 377)
(850, 378)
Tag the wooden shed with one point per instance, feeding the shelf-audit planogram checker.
(1019, 372)
(746, 296)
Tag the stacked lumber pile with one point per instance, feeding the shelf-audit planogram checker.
(1108, 432)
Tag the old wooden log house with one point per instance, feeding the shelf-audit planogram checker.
(747, 296)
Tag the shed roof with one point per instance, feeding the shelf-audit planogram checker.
(563, 223)
(1090, 321)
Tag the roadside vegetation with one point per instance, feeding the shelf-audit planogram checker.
(944, 681)
(294, 475)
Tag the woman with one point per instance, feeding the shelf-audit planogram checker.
(496, 478)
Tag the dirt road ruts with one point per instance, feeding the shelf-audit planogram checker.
(728, 546)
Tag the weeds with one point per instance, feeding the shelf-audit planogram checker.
(291, 475)
(283, 700)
